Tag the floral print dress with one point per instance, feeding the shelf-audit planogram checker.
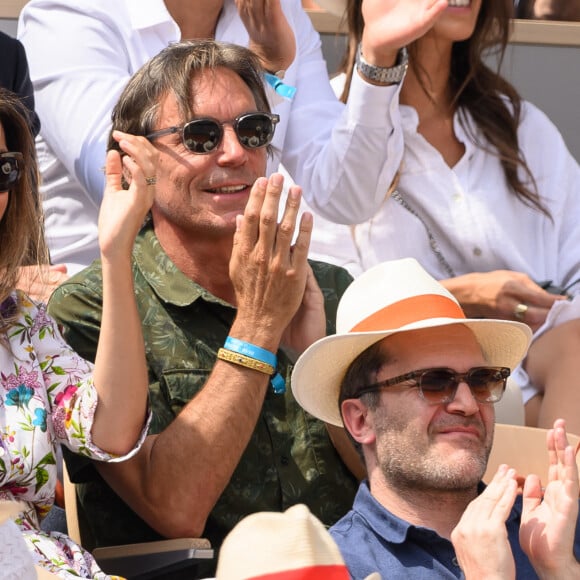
(47, 397)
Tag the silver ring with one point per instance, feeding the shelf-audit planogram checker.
(520, 311)
(151, 180)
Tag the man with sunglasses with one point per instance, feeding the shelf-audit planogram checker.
(227, 438)
(95, 46)
(415, 382)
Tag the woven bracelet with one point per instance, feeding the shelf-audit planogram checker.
(245, 361)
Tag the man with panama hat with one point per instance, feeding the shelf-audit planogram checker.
(414, 382)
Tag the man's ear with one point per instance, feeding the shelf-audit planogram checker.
(358, 421)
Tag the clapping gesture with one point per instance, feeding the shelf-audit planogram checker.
(270, 273)
(549, 520)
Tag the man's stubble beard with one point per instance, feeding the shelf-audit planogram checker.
(407, 465)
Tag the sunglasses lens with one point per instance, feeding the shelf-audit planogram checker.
(9, 172)
(202, 135)
(255, 130)
(487, 385)
(437, 385)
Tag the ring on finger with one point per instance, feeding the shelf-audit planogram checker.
(151, 180)
(520, 311)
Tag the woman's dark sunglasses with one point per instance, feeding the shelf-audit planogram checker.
(11, 166)
(439, 385)
(202, 136)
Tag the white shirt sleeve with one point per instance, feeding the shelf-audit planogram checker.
(81, 55)
(345, 158)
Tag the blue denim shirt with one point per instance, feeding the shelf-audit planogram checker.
(372, 539)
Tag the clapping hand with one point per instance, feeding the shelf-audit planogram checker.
(549, 519)
(480, 538)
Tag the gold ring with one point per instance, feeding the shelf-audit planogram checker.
(520, 311)
(151, 180)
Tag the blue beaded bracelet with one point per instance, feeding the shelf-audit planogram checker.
(258, 353)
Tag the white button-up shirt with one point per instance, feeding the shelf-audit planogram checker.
(82, 53)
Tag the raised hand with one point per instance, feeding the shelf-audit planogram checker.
(392, 24)
(268, 272)
(480, 538)
(309, 323)
(271, 37)
(549, 519)
(123, 210)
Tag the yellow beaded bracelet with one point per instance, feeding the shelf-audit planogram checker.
(245, 361)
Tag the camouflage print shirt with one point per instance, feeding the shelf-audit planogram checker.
(289, 458)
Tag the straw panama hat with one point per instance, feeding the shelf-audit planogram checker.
(293, 545)
(336, 7)
(394, 296)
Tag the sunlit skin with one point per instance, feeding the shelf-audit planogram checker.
(456, 23)
(199, 196)
(3, 194)
(412, 447)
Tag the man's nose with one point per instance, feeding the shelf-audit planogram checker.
(464, 402)
(231, 151)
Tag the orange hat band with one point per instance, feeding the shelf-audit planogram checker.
(336, 572)
(414, 309)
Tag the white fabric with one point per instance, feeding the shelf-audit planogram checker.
(478, 224)
(81, 54)
(15, 561)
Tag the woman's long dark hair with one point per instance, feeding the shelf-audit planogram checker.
(21, 229)
(492, 101)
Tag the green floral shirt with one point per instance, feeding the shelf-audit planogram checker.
(289, 458)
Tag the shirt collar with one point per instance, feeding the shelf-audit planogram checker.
(164, 277)
(386, 524)
(150, 13)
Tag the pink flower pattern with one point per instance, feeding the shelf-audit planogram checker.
(47, 398)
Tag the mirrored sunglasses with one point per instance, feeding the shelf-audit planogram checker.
(204, 135)
(11, 167)
(439, 385)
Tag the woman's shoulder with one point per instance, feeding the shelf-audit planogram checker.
(20, 309)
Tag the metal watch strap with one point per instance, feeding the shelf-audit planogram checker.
(380, 74)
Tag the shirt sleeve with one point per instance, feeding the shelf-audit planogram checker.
(327, 143)
(68, 378)
(79, 66)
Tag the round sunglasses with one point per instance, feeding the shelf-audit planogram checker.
(439, 385)
(11, 166)
(204, 135)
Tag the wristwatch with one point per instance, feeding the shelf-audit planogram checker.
(384, 75)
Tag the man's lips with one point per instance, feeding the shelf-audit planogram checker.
(228, 189)
(460, 430)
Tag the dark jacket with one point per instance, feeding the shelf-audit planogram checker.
(15, 77)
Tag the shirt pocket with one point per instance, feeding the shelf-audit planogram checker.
(179, 386)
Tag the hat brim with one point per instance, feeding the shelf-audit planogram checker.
(319, 371)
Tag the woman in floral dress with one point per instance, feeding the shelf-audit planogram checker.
(48, 394)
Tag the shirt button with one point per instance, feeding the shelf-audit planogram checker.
(284, 460)
(457, 197)
(477, 251)
(454, 561)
